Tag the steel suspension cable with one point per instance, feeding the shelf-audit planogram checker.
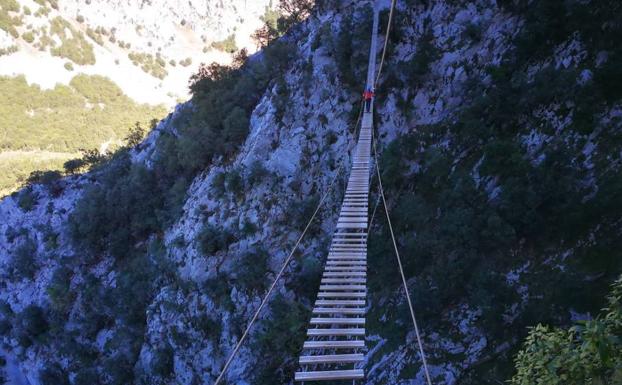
(278, 276)
(386, 42)
(399, 262)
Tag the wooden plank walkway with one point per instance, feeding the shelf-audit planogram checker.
(336, 334)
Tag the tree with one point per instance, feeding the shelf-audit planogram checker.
(53, 375)
(135, 136)
(73, 165)
(236, 125)
(23, 261)
(589, 353)
(296, 10)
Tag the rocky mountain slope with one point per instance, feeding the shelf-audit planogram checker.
(148, 48)
(499, 128)
(78, 75)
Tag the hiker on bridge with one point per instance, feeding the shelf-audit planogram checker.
(368, 95)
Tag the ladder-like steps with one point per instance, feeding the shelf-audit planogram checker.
(337, 321)
(345, 344)
(331, 358)
(336, 334)
(355, 374)
(328, 302)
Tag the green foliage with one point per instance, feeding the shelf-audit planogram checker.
(426, 53)
(95, 35)
(73, 47)
(473, 32)
(227, 45)
(119, 212)
(213, 239)
(7, 21)
(280, 338)
(29, 37)
(59, 291)
(223, 98)
(49, 179)
(588, 353)
(257, 173)
(9, 5)
(27, 199)
(155, 66)
(63, 120)
(252, 270)
(53, 375)
(23, 265)
(280, 20)
(186, 62)
(30, 325)
(73, 165)
(351, 48)
(162, 363)
(8, 50)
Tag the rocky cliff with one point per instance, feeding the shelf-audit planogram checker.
(499, 127)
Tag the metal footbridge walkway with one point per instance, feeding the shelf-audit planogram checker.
(335, 346)
(336, 333)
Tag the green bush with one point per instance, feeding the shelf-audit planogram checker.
(30, 324)
(49, 179)
(214, 239)
(162, 363)
(8, 22)
(29, 37)
(277, 347)
(86, 376)
(256, 173)
(23, 262)
(227, 45)
(75, 47)
(588, 353)
(53, 375)
(59, 291)
(27, 199)
(119, 212)
(252, 270)
(8, 50)
(150, 64)
(73, 165)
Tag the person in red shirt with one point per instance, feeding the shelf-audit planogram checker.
(367, 96)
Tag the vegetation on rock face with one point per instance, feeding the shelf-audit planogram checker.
(278, 22)
(487, 206)
(589, 353)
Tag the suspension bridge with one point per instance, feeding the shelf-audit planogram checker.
(335, 345)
